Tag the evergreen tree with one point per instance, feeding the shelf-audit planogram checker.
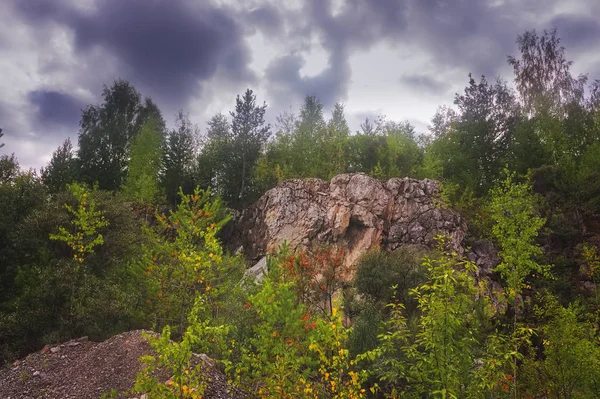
(308, 139)
(337, 124)
(249, 137)
(219, 128)
(145, 165)
(62, 168)
(212, 166)
(179, 158)
(486, 124)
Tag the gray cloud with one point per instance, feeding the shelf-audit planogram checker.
(426, 83)
(166, 47)
(267, 18)
(197, 51)
(56, 108)
(359, 24)
(579, 31)
(329, 85)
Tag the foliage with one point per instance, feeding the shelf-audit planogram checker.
(179, 154)
(107, 132)
(21, 194)
(382, 276)
(293, 353)
(141, 184)
(542, 73)
(569, 365)
(318, 275)
(185, 257)
(87, 222)
(591, 258)
(9, 168)
(53, 296)
(516, 227)
(439, 357)
(234, 149)
(62, 168)
(189, 379)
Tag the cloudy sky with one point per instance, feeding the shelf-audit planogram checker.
(399, 58)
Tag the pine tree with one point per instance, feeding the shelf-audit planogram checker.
(145, 164)
(179, 158)
(249, 136)
(62, 168)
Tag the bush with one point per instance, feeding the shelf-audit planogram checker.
(379, 272)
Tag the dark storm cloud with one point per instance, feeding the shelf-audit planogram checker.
(56, 108)
(472, 35)
(165, 47)
(286, 81)
(359, 24)
(420, 83)
(267, 18)
(579, 32)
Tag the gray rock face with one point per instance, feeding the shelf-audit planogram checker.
(354, 211)
(258, 271)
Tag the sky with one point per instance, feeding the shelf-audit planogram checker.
(398, 58)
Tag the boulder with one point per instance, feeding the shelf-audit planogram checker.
(353, 211)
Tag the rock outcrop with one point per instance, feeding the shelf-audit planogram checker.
(354, 211)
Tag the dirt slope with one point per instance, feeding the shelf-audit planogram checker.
(84, 370)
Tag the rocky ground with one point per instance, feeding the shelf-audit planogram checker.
(84, 369)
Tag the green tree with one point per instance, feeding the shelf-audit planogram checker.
(570, 366)
(179, 162)
(249, 136)
(398, 154)
(438, 359)
(234, 149)
(107, 131)
(86, 223)
(62, 168)
(516, 229)
(308, 140)
(216, 146)
(21, 194)
(142, 183)
(336, 142)
(477, 143)
(186, 258)
(55, 297)
(9, 168)
(542, 73)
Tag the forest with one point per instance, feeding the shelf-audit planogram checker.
(124, 231)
